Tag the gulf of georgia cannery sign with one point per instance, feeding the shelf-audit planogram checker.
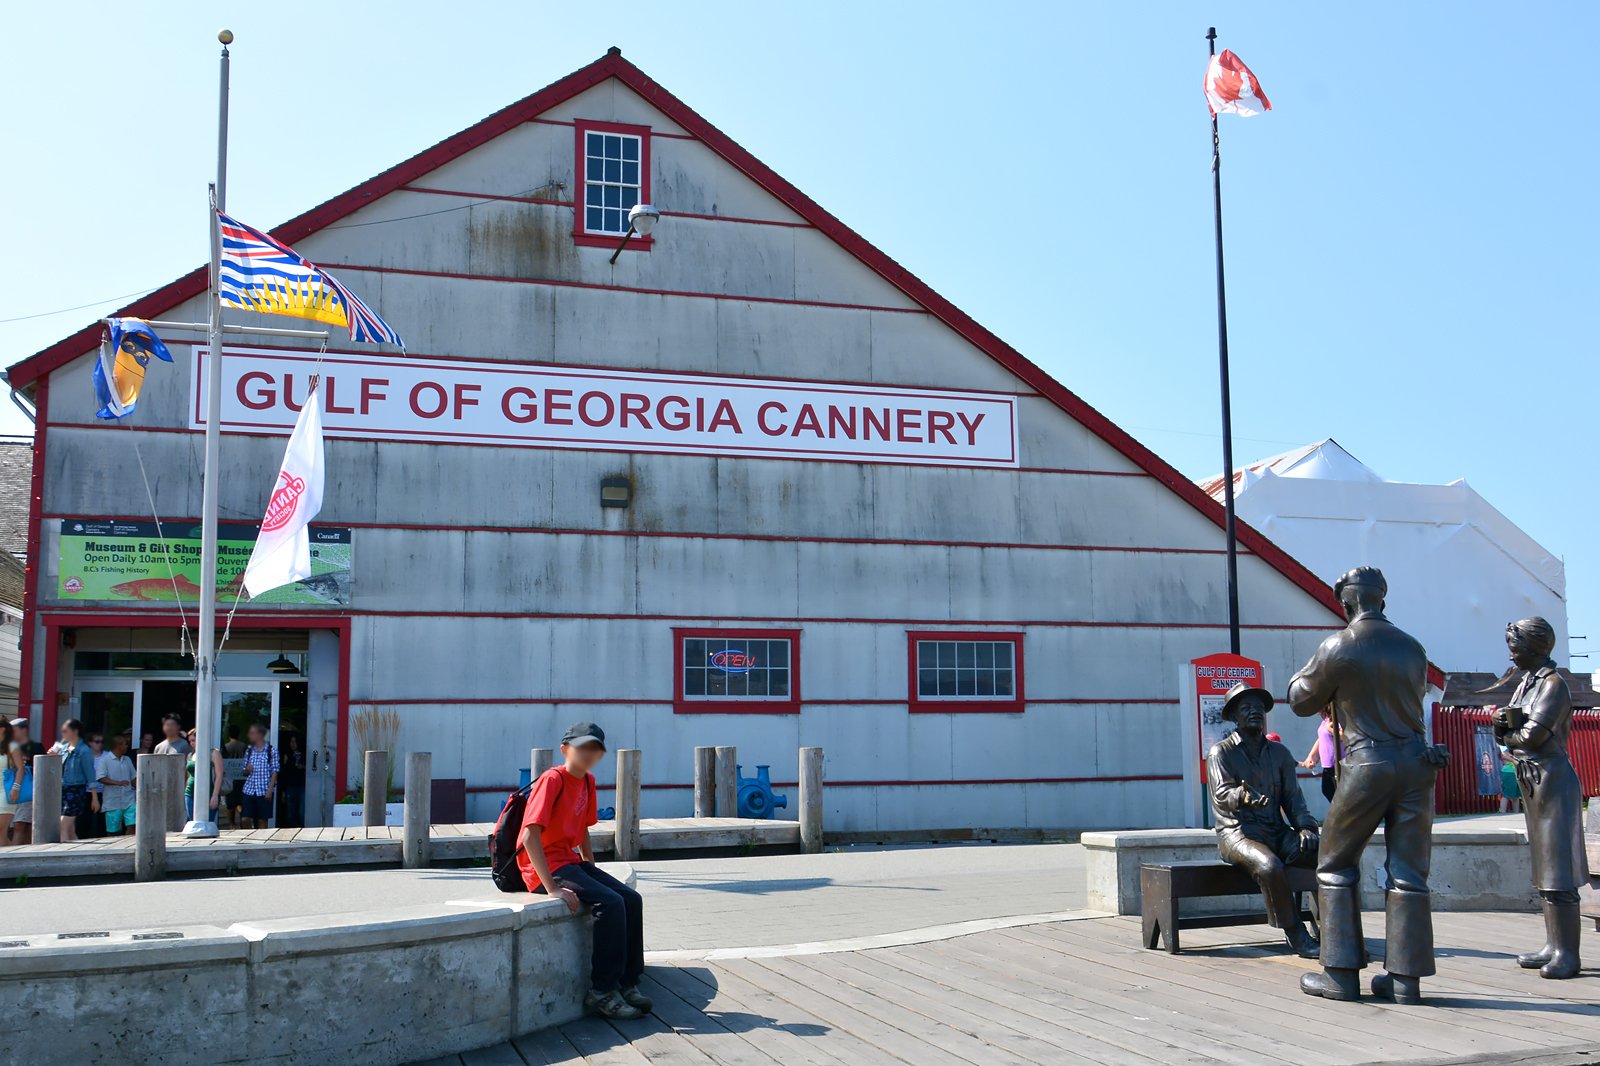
(539, 405)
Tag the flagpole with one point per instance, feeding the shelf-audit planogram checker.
(206, 709)
(1222, 361)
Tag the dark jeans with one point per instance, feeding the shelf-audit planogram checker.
(618, 925)
(1328, 782)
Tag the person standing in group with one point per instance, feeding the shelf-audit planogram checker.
(17, 782)
(1373, 674)
(172, 742)
(92, 819)
(219, 775)
(114, 770)
(8, 806)
(1510, 790)
(1325, 754)
(292, 780)
(77, 773)
(260, 777)
(1534, 726)
(147, 744)
(28, 746)
(555, 858)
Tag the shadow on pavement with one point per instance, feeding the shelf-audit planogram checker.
(732, 1020)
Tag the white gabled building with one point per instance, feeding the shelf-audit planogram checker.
(754, 484)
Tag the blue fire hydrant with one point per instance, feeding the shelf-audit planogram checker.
(755, 794)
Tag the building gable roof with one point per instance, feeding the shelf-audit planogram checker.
(613, 65)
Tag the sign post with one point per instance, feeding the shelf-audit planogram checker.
(1203, 686)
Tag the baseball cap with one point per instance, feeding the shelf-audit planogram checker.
(23, 722)
(581, 733)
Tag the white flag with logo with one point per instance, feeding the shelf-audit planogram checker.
(283, 548)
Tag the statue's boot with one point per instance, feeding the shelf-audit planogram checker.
(1404, 990)
(1565, 923)
(1340, 984)
(1283, 914)
(1536, 959)
(1408, 929)
(1301, 942)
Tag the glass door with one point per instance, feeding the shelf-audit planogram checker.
(107, 707)
(243, 704)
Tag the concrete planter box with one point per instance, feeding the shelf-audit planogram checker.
(387, 986)
(1476, 866)
(350, 814)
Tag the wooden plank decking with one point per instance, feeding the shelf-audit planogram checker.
(281, 849)
(1086, 992)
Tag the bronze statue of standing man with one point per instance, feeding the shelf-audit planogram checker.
(1374, 675)
(1534, 727)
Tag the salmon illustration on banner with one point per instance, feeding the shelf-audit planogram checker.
(1231, 89)
(262, 274)
(283, 549)
(119, 368)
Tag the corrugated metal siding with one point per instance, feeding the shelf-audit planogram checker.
(1457, 788)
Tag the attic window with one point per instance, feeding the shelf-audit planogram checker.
(613, 167)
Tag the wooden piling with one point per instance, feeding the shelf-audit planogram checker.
(47, 799)
(157, 778)
(628, 778)
(375, 786)
(727, 777)
(414, 838)
(810, 800)
(539, 760)
(705, 778)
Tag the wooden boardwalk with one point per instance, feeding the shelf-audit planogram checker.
(1086, 992)
(282, 849)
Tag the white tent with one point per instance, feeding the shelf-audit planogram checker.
(1458, 569)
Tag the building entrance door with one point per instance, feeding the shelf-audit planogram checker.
(106, 706)
(243, 704)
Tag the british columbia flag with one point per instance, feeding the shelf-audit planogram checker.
(265, 275)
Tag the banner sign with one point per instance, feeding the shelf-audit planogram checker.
(112, 559)
(541, 406)
(1203, 686)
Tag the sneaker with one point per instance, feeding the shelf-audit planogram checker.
(610, 1005)
(636, 998)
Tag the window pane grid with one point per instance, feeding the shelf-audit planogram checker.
(611, 181)
(732, 668)
(966, 670)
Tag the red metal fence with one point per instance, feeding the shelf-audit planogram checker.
(1457, 788)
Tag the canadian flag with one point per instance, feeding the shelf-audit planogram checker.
(283, 548)
(1232, 89)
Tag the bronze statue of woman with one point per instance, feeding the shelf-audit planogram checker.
(1534, 726)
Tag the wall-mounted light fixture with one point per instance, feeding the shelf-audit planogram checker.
(616, 491)
(642, 218)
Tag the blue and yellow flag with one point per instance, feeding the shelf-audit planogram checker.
(119, 368)
(266, 275)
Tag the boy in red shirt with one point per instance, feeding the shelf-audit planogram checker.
(554, 858)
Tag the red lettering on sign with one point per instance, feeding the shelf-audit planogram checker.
(464, 398)
(670, 419)
(527, 409)
(724, 416)
(331, 406)
(806, 420)
(941, 422)
(905, 424)
(844, 419)
(262, 399)
(552, 405)
(874, 420)
(370, 392)
(441, 398)
(761, 419)
(583, 409)
(635, 405)
(971, 425)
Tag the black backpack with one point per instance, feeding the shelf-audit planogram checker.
(506, 838)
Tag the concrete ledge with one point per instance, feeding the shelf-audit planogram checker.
(392, 985)
(1476, 866)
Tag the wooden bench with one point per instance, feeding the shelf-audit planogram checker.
(1164, 885)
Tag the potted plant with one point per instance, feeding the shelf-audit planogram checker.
(374, 729)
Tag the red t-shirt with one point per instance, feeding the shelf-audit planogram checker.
(566, 808)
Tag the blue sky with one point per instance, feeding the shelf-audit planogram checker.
(1411, 232)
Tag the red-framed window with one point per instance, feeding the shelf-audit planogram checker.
(964, 672)
(613, 169)
(736, 671)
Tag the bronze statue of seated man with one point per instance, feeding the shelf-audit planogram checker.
(1253, 790)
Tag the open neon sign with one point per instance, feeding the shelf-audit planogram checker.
(732, 661)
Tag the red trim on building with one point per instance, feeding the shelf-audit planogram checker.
(635, 290)
(619, 701)
(141, 619)
(580, 232)
(689, 535)
(30, 580)
(682, 704)
(612, 65)
(903, 784)
(917, 704)
(545, 202)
